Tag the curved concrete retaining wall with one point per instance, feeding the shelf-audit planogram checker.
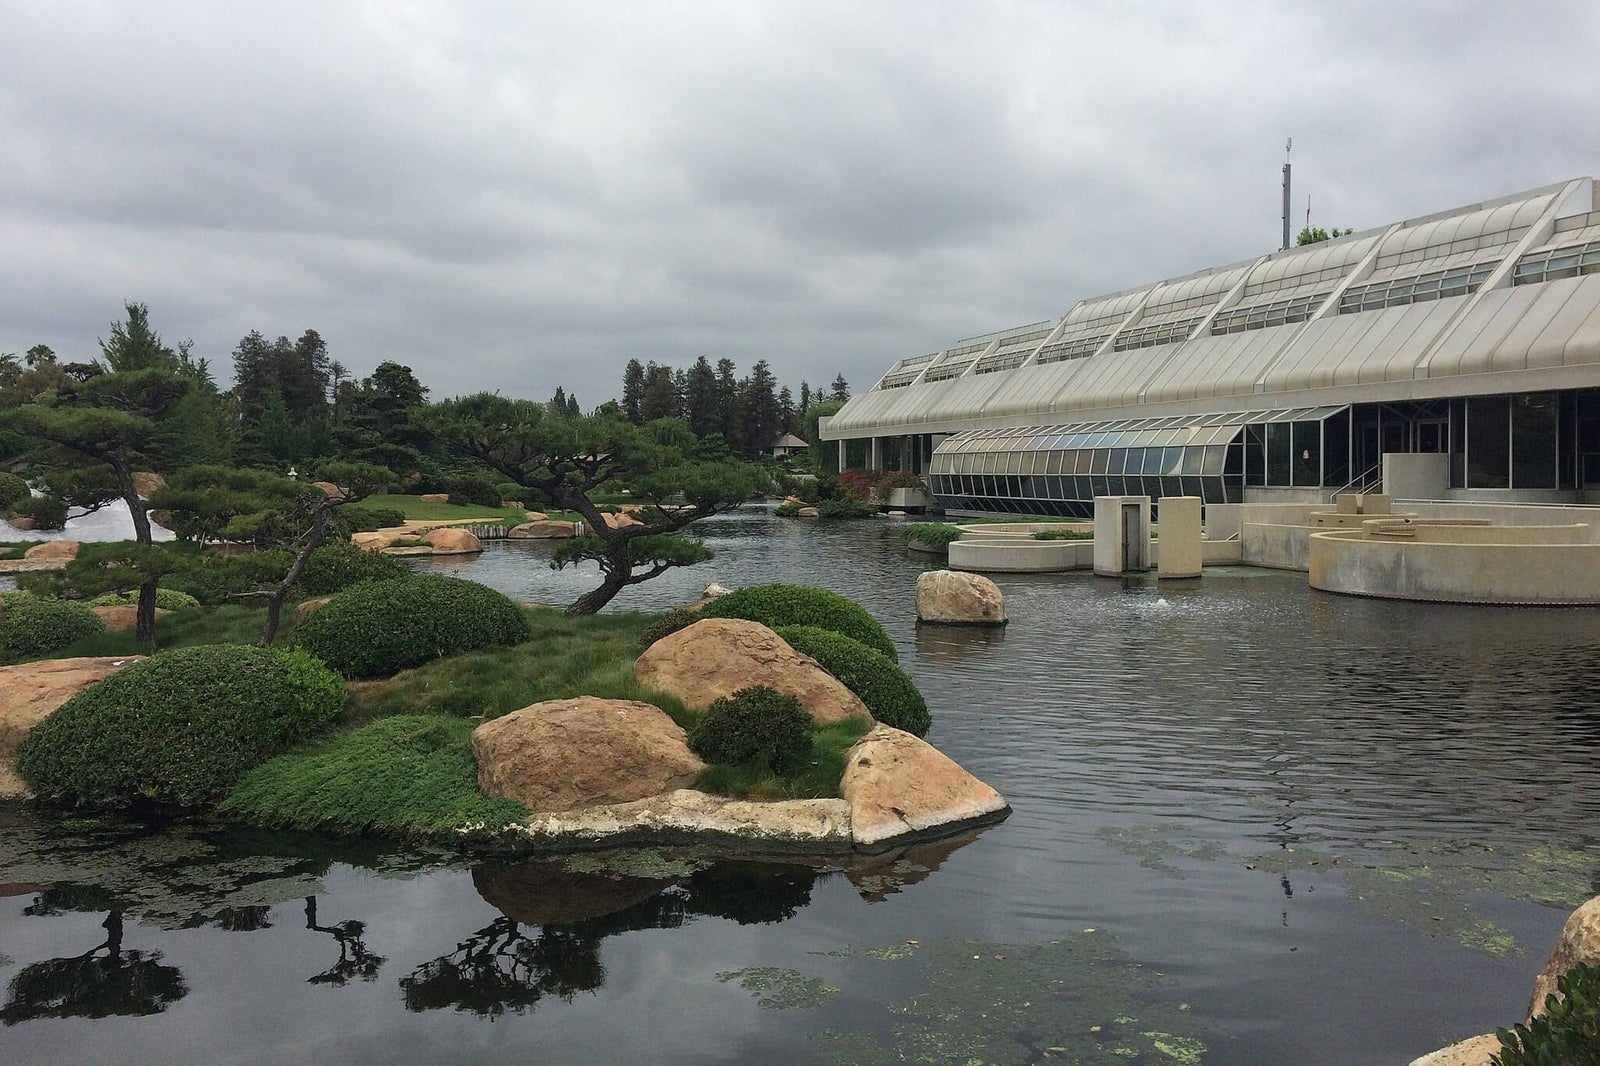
(1020, 555)
(1507, 570)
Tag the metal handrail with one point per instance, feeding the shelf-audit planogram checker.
(1369, 480)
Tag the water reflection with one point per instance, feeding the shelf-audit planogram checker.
(355, 961)
(103, 981)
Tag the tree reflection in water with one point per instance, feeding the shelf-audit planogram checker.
(93, 985)
(355, 960)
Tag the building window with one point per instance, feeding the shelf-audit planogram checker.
(1488, 442)
(1534, 436)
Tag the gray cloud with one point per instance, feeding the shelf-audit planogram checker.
(518, 196)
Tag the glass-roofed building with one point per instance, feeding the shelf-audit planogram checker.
(1468, 339)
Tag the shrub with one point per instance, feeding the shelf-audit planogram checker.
(509, 490)
(668, 624)
(846, 509)
(933, 534)
(1063, 534)
(34, 625)
(12, 491)
(181, 726)
(383, 627)
(887, 690)
(797, 605)
(755, 725)
(166, 600)
(1567, 1033)
(357, 519)
(339, 564)
(47, 512)
(790, 509)
(211, 576)
(471, 489)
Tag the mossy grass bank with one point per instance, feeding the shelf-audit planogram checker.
(416, 509)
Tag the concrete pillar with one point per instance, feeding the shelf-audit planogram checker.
(875, 454)
(841, 456)
(1121, 535)
(1179, 553)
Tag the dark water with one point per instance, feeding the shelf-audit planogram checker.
(1253, 824)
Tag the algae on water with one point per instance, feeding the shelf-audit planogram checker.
(780, 989)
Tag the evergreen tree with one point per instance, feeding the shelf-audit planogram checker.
(840, 390)
(805, 396)
(700, 398)
(661, 397)
(135, 346)
(786, 412)
(730, 409)
(633, 392)
(573, 410)
(558, 403)
(760, 408)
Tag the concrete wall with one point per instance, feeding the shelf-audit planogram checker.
(1473, 531)
(1020, 556)
(1508, 514)
(1180, 537)
(1349, 561)
(1422, 476)
(1108, 532)
(1280, 547)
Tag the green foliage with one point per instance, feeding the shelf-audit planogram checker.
(933, 534)
(1316, 235)
(564, 657)
(759, 726)
(382, 627)
(212, 576)
(34, 625)
(117, 566)
(1566, 1034)
(1063, 534)
(359, 519)
(12, 490)
(179, 727)
(472, 490)
(417, 509)
(47, 512)
(797, 605)
(846, 509)
(668, 624)
(166, 600)
(817, 778)
(339, 564)
(410, 776)
(887, 690)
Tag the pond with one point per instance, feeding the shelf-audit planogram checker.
(1252, 824)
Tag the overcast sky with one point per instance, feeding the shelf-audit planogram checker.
(518, 195)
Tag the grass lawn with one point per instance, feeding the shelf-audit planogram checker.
(15, 550)
(415, 507)
(228, 624)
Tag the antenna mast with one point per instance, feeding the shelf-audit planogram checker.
(1288, 147)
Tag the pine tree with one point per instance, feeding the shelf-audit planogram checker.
(661, 398)
(558, 403)
(786, 412)
(633, 392)
(730, 408)
(135, 346)
(700, 398)
(805, 397)
(841, 389)
(760, 408)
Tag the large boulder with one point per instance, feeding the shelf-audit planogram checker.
(618, 520)
(536, 516)
(542, 529)
(330, 490)
(951, 597)
(435, 497)
(1474, 1051)
(306, 608)
(563, 755)
(23, 522)
(376, 540)
(147, 484)
(717, 657)
(52, 551)
(896, 784)
(122, 617)
(1579, 942)
(452, 541)
(690, 816)
(31, 692)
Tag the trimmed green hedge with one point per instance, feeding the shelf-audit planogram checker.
(340, 564)
(181, 726)
(35, 625)
(887, 690)
(12, 490)
(166, 600)
(382, 627)
(932, 534)
(756, 725)
(354, 518)
(668, 624)
(798, 605)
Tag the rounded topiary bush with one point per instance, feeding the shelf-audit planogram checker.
(798, 605)
(668, 624)
(381, 627)
(181, 726)
(340, 564)
(36, 625)
(756, 725)
(166, 600)
(13, 490)
(887, 690)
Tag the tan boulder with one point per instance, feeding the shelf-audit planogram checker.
(808, 512)
(450, 541)
(1579, 942)
(23, 522)
(330, 490)
(542, 530)
(793, 501)
(121, 617)
(717, 657)
(147, 484)
(545, 892)
(435, 497)
(1474, 1051)
(52, 551)
(511, 503)
(896, 784)
(376, 540)
(535, 516)
(562, 755)
(306, 608)
(687, 815)
(618, 520)
(951, 597)
(30, 692)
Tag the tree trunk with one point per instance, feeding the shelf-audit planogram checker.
(591, 602)
(314, 539)
(146, 616)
